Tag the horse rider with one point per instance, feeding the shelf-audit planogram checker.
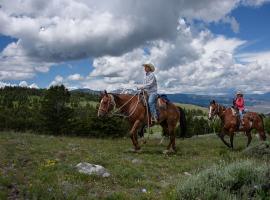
(150, 86)
(239, 103)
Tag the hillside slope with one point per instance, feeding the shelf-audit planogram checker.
(39, 166)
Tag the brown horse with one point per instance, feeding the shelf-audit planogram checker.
(133, 108)
(230, 122)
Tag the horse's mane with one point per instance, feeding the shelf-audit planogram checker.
(117, 95)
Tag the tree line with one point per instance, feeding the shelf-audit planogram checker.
(58, 111)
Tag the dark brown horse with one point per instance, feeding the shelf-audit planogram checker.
(133, 108)
(230, 122)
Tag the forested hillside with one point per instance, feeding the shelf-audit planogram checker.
(58, 111)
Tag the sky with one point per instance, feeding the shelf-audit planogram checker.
(198, 47)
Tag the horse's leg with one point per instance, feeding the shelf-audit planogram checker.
(165, 131)
(141, 134)
(260, 128)
(231, 139)
(221, 136)
(248, 134)
(171, 127)
(261, 133)
(133, 134)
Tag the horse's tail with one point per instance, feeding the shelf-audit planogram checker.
(262, 116)
(182, 121)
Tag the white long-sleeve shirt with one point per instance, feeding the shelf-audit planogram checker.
(150, 83)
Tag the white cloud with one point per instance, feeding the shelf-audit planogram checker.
(211, 66)
(120, 35)
(75, 77)
(258, 57)
(23, 84)
(254, 2)
(232, 21)
(15, 64)
(66, 29)
(34, 85)
(71, 82)
(4, 84)
(58, 80)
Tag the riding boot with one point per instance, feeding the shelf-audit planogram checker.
(242, 123)
(240, 126)
(154, 120)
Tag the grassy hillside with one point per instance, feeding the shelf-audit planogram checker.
(43, 167)
(192, 107)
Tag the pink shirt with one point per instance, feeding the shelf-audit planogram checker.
(239, 102)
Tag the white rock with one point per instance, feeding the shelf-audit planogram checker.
(187, 174)
(87, 168)
(106, 174)
(134, 161)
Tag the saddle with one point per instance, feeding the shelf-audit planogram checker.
(162, 101)
(235, 112)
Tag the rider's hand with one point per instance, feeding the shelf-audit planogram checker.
(140, 87)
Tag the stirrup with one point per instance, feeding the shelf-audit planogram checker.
(154, 120)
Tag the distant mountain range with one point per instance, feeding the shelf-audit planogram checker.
(254, 102)
(85, 90)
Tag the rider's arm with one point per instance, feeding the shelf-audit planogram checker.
(150, 81)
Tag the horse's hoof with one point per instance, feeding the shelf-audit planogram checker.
(137, 150)
(133, 150)
(165, 151)
(143, 141)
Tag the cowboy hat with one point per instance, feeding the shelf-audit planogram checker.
(150, 65)
(239, 92)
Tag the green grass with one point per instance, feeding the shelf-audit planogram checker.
(192, 107)
(43, 167)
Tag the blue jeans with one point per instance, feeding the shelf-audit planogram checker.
(241, 114)
(152, 104)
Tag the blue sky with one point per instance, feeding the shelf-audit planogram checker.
(254, 27)
(103, 49)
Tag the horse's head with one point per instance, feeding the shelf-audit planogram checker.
(213, 109)
(106, 104)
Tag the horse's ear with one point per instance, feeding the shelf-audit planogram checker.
(105, 92)
(101, 94)
(213, 102)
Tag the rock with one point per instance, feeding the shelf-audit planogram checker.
(87, 168)
(136, 161)
(187, 174)
(144, 190)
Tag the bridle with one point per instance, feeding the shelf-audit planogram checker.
(216, 111)
(116, 111)
(110, 103)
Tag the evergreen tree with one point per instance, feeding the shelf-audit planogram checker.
(55, 111)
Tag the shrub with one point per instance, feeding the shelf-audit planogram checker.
(260, 150)
(267, 124)
(238, 180)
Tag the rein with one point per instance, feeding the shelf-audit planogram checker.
(147, 113)
(116, 110)
(215, 117)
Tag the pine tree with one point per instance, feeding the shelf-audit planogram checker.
(55, 111)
